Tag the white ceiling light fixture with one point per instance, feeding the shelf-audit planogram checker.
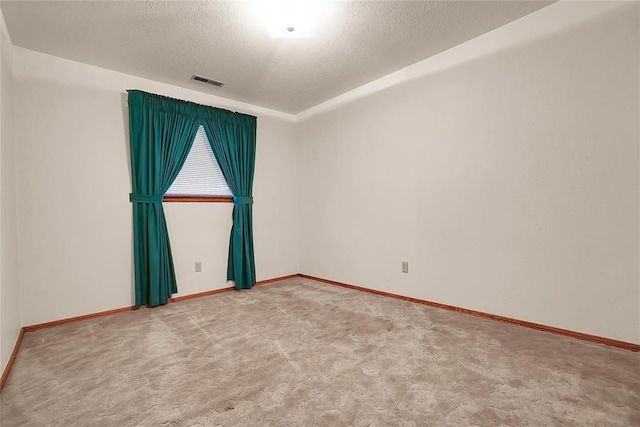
(291, 19)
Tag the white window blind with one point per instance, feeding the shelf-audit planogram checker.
(200, 175)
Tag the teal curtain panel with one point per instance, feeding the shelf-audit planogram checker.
(161, 132)
(233, 141)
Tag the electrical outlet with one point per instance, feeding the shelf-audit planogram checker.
(198, 266)
(405, 266)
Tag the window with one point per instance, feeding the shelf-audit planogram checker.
(200, 179)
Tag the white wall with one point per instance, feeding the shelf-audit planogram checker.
(509, 182)
(9, 286)
(275, 219)
(75, 238)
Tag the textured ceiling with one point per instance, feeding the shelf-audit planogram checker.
(169, 41)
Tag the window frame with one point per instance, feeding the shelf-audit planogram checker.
(196, 199)
(199, 198)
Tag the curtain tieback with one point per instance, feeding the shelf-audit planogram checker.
(146, 198)
(241, 200)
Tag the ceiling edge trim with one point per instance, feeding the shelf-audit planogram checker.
(550, 19)
(5, 30)
(38, 65)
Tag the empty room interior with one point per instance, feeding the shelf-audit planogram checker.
(430, 213)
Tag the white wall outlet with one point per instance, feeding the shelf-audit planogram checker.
(405, 266)
(198, 266)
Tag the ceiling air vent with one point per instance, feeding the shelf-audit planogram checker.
(206, 80)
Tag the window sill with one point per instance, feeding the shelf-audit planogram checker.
(198, 199)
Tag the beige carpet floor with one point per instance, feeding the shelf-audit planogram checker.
(303, 353)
